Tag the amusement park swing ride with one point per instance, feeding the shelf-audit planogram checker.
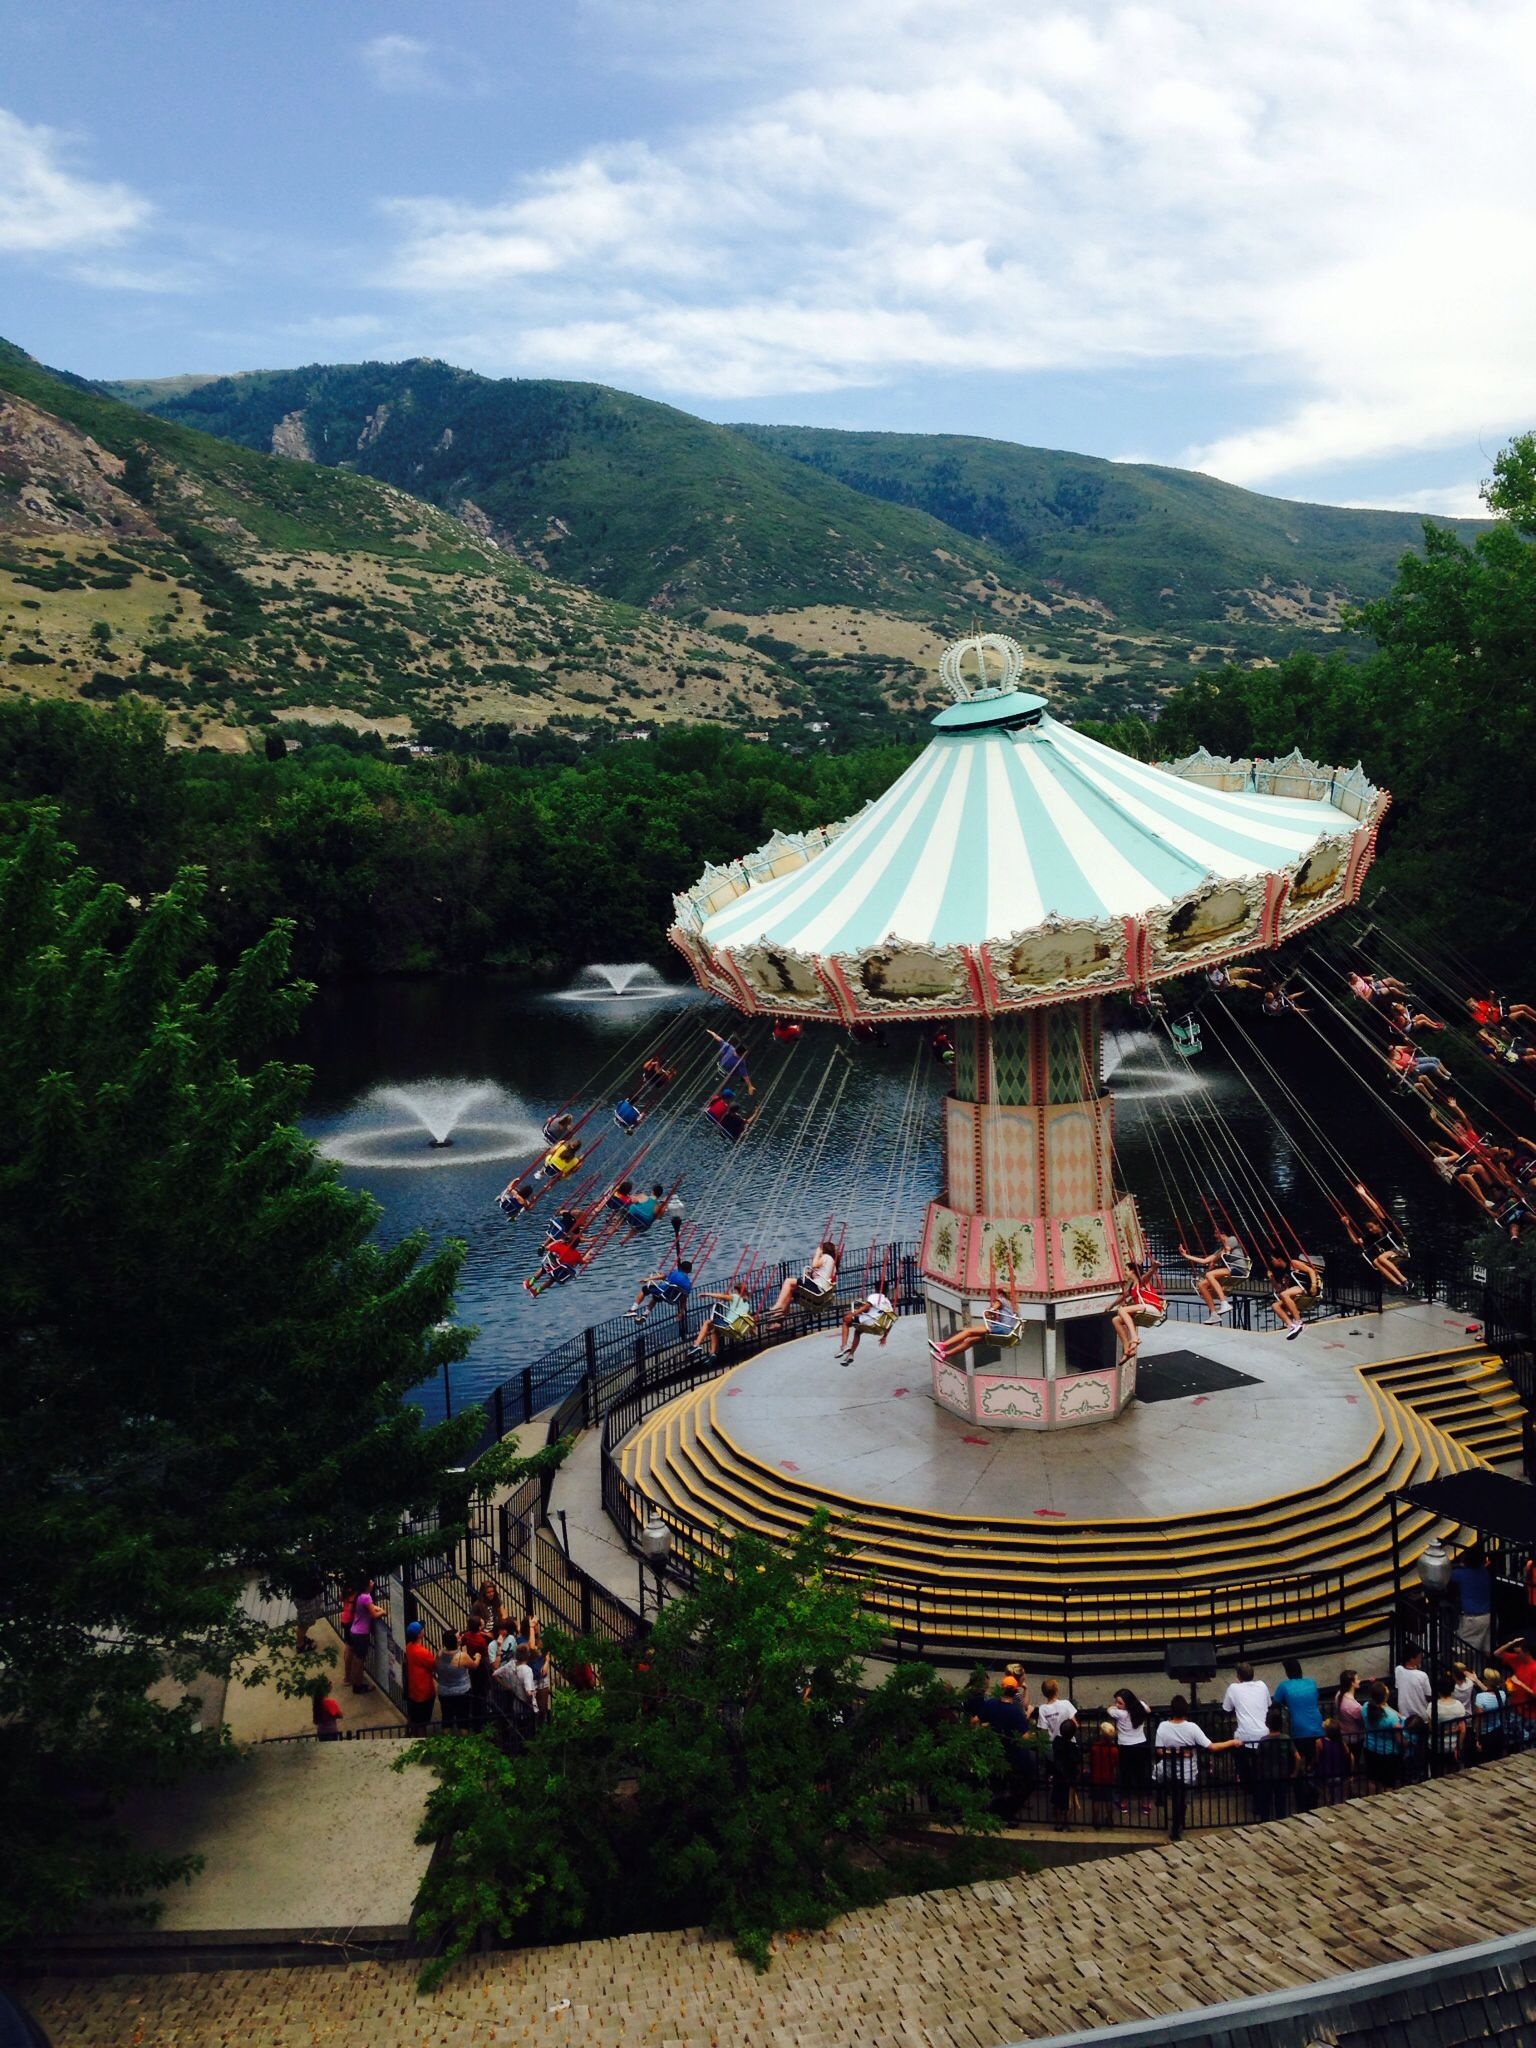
(1017, 874)
(1013, 880)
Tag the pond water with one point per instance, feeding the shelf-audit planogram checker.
(846, 1133)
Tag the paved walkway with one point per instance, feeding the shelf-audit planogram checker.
(1376, 1880)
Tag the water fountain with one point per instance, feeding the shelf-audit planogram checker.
(606, 981)
(431, 1117)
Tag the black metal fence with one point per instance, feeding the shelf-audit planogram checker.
(600, 1360)
(1101, 1786)
(614, 1374)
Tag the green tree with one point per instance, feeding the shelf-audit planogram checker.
(1442, 712)
(731, 1772)
(208, 1365)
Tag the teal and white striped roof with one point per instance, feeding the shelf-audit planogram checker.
(1015, 820)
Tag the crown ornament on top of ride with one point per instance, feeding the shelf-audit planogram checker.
(1008, 655)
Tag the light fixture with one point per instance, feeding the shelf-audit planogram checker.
(656, 1544)
(1434, 1567)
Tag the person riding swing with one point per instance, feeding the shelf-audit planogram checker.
(731, 1317)
(873, 1315)
(1374, 1237)
(813, 1288)
(1298, 1286)
(1140, 1307)
(1002, 1322)
(1211, 1269)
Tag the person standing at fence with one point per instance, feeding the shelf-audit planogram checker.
(1247, 1700)
(1349, 1711)
(1131, 1717)
(1381, 1743)
(1103, 1775)
(477, 1642)
(516, 1682)
(1066, 1769)
(453, 1694)
(1053, 1710)
(1521, 1666)
(1334, 1765)
(1275, 1764)
(325, 1712)
(1473, 1588)
(1298, 1695)
(1449, 1726)
(1179, 1742)
(365, 1611)
(420, 1677)
(1410, 1681)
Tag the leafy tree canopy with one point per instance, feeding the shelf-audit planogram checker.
(730, 1773)
(208, 1362)
(1443, 712)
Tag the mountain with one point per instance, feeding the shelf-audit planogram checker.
(634, 499)
(137, 555)
(848, 558)
(1154, 545)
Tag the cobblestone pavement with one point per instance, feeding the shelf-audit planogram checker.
(1221, 1916)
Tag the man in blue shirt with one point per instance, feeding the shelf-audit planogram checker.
(1298, 1695)
(1473, 1583)
(674, 1287)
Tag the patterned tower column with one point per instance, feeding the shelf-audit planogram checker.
(1029, 1152)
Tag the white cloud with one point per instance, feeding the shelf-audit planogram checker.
(403, 64)
(47, 208)
(1332, 200)
(1448, 501)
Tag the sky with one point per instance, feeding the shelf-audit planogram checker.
(1293, 246)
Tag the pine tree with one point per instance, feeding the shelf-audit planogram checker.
(207, 1363)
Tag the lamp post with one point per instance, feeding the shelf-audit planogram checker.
(655, 1550)
(1435, 1578)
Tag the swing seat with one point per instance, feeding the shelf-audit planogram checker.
(1146, 1317)
(741, 1327)
(1185, 1035)
(1006, 1339)
(878, 1325)
(813, 1297)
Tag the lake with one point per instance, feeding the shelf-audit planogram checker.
(847, 1134)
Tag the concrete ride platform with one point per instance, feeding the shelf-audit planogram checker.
(1271, 1479)
(870, 1431)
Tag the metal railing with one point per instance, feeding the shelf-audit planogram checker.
(613, 1374)
(603, 1358)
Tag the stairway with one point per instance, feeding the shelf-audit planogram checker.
(992, 1584)
(1469, 1396)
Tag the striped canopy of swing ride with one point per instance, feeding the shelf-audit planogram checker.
(1018, 861)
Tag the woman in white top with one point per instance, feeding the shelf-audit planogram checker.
(1131, 1716)
(1179, 1742)
(815, 1285)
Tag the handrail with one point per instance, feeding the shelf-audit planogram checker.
(612, 1375)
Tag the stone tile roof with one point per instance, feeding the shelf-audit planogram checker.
(1220, 1917)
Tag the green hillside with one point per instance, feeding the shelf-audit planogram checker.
(1154, 545)
(634, 499)
(140, 557)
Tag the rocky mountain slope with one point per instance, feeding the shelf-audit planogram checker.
(233, 587)
(847, 558)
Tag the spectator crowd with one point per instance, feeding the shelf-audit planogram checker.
(1293, 1745)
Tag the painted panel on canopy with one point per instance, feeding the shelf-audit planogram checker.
(999, 1244)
